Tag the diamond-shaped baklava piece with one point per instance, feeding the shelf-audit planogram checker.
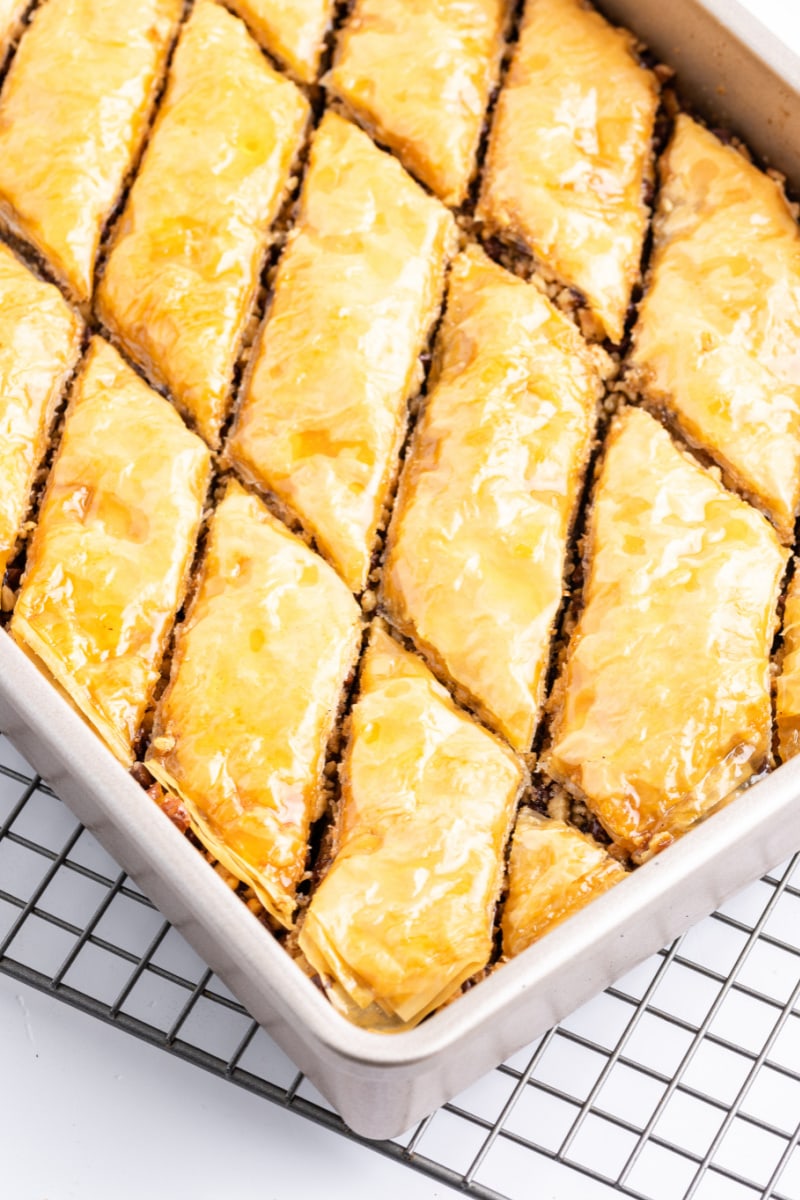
(40, 340)
(787, 700)
(418, 75)
(553, 871)
(108, 564)
(73, 114)
(405, 914)
(570, 154)
(717, 338)
(475, 564)
(357, 290)
(183, 273)
(294, 31)
(257, 679)
(663, 707)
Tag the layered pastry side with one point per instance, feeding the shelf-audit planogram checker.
(418, 75)
(12, 13)
(108, 564)
(716, 341)
(570, 155)
(74, 112)
(292, 31)
(405, 914)
(40, 339)
(357, 290)
(257, 680)
(474, 570)
(663, 706)
(787, 698)
(183, 273)
(554, 870)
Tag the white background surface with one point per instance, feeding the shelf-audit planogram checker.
(89, 1113)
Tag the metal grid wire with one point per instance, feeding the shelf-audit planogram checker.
(681, 1081)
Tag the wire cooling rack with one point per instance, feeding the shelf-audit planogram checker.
(681, 1081)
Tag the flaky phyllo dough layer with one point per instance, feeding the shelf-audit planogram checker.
(404, 915)
(257, 676)
(663, 706)
(318, 496)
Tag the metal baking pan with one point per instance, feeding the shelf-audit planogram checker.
(739, 76)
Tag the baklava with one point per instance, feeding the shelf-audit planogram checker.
(74, 112)
(405, 914)
(293, 31)
(476, 551)
(663, 706)
(40, 339)
(787, 700)
(716, 339)
(108, 564)
(258, 675)
(418, 75)
(554, 870)
(570, 155)
(183, 273)
(357, 290)
(336, 527)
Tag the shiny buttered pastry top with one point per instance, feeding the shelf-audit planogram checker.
(294, 31)
(108, 565)
(257, 680)
(40, 340)
(475, 566)
(663, 706)
(73, 113)
(553, 871)
(717, 338)
(405, 913)
(418, 74)
(184, 267)
(357, 290)
(571, 153)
